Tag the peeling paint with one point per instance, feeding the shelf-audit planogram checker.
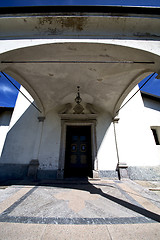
(54, 26)
(72, 48)
(53, 31)
(48, 31)
(44, 20)
(76, 23)
(92, 69)
(104, 55)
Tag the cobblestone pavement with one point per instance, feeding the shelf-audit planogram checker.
(95, 209)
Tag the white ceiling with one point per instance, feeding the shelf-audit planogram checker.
(100, 70)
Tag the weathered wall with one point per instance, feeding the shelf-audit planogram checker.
(50, 142)
(135, 141)
(5, 118)
(19, 145)
(18, 148)
(152, 113)
(136, 146)
(107, 158)
(21, 138)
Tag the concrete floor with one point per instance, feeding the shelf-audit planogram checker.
(102, 209)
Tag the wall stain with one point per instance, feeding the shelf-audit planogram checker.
(92, 69)
(53, 31)
(44, 20)
(76, 23)
(104, 55)
(146, 34)
(72, 48)
(55, 25)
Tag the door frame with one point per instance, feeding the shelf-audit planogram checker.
(83, 121)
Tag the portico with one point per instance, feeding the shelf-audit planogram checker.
(51, 54)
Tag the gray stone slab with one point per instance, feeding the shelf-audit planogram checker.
(143, 191)
(108, 174)
(59, 202)
(8, 192)
(100, 204)
(144, 173)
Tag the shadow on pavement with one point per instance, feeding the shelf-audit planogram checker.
(85, 185)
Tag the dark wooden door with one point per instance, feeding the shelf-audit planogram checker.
(78, 160)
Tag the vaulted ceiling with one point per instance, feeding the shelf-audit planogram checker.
(52, 72)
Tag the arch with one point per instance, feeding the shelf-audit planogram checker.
(138, 78)
(96, 76)
(11, 45)
(17, 76)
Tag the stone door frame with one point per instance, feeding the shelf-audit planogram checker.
(77, 120)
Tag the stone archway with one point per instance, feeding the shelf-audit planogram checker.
(105, 72)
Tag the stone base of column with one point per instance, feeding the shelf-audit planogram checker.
(122, 169)
(95, 174)
(60, 174)
(33, 168)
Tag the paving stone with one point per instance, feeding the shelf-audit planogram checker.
(76, 232)
(6, 192)
(19, 231)
(135, 231)
(99, 210)
(13, 198)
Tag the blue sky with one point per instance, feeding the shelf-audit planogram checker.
(8, 93)
(152, 86)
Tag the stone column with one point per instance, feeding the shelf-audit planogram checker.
(34, 163)
(121, 166)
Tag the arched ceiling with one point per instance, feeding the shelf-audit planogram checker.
(104, 72)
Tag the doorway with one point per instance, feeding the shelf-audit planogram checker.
(78, 157)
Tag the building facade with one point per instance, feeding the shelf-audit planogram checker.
(80, 65)
(68, 144)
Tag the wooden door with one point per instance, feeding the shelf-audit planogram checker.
(78, 160)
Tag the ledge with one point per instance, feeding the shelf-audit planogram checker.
(73, 9)
(78, 116)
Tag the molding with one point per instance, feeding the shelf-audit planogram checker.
(77, 120)
(78, 116)
(41, 119)
(115, 120)
(81, 9)
(122, 165)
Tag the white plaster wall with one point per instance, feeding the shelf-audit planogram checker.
(3, 133)
(21, 139)
(19, 145)
(135, 141)
(50, 142)
(152, 113)
(107, 157)
(4, 125)
(21, 106)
